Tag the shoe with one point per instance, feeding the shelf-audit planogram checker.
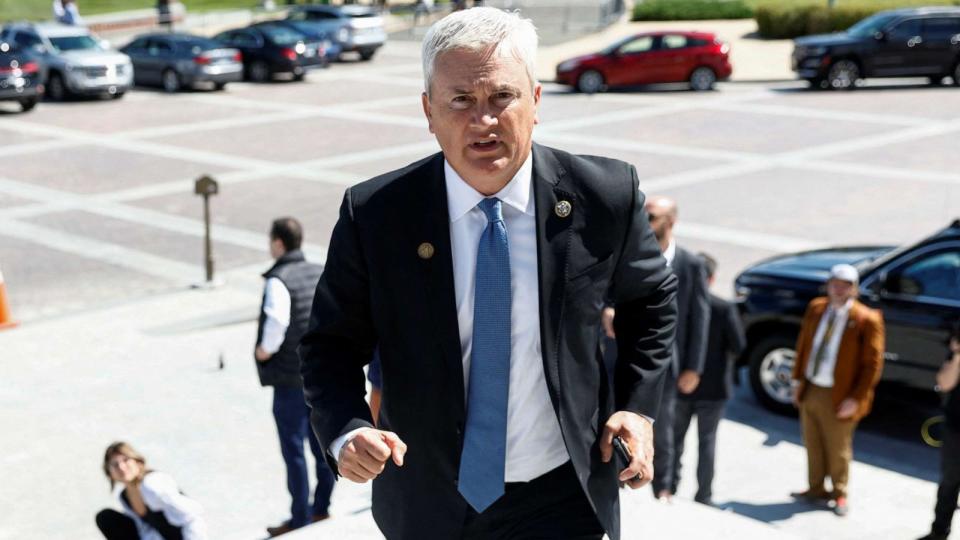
(811, 496)
(706, 502)
(841, 508)
(934, 536)
(280, 529)
(319, 517)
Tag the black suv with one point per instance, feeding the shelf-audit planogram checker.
(916, 286)
(923, 42)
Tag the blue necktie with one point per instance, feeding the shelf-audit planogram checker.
(484, 454)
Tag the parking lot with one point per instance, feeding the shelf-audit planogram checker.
(97, 213)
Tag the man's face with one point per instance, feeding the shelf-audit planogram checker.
(661, 220)
(482, 111)
(840, 291)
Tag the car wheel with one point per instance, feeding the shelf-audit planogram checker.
(28, 103)
(219, 86)
(366, 55)
(771, 372)
(117, 95)
(936, 81)
(843, 75)
(702, 79)
(170, 81)
(259, 71)
(56, 89)
(590, 82)
(299, 76)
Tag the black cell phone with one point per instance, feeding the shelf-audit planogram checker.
(622, 451)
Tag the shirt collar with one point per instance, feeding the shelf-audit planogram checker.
(461, 197)
(671, 252)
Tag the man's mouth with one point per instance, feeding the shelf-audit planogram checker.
(485, 146)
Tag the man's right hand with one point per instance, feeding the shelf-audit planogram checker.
(365, 455)
(606, 320)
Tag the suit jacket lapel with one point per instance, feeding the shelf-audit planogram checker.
(550, 186)
(434, 227)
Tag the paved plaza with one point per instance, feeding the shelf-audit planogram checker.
(101, 237)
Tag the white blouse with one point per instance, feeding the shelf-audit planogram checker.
(161, 494)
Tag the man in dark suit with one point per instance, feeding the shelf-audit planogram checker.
(690, 347)
(725, 342)
(479, 274)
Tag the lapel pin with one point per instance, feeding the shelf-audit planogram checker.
(563, 209)
(425, 250)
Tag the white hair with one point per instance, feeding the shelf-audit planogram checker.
(478, 29)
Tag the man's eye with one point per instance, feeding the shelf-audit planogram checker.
(461, 102)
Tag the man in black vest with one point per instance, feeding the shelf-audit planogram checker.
(284, 315)
(726, 341)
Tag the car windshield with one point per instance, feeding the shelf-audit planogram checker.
(871, 25)
(281, 35)
(75, 43)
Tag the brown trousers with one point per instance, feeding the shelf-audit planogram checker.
(829, 441)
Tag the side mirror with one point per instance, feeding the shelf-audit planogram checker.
(879, 36)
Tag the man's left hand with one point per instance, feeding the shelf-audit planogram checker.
(260, 354)
(847, 409)
(637, 432)
(688, 381)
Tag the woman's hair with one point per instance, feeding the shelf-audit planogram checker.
(121, 448)
(478, 29)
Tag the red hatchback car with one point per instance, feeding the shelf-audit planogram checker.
(656, 57)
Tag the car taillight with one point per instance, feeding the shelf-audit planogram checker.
(201, 60)
(30, 67)
(289, 54)
(238, 57)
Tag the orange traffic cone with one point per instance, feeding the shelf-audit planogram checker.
(6, 318)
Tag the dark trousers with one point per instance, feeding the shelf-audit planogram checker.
(708, 414)
(549, 507)
(949, 490)
(663, 438)
(293, 426)
(117, 526)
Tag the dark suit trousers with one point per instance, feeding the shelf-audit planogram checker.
(293, 427)
(709, 413)
(949, 490)
(549, 507)
(663, 439)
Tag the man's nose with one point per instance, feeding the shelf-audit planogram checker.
(485, 116)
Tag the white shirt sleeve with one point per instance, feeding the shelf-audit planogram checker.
(161, 494)
(337, 445)
(276, 306)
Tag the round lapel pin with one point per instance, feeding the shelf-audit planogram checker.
(425, 250)
(563, 209)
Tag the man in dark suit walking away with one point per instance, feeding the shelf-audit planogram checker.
(725, 342)
(690, 347)
(479, 274)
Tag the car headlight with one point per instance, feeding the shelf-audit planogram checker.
(742, 292)
(568, 65)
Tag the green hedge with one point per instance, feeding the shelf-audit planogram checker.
(777, 21)
(687, 10)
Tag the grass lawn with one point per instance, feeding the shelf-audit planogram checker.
(15, 10)
(885, 4)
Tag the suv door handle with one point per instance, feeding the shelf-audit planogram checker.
(915, 40)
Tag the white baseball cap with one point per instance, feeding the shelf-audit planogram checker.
(845, 272)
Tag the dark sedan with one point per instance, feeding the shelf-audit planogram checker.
(917, 287)
(331, 48)
(657, 57)
(269, 49)
(176, 61)
(922, 42)
(21, 77)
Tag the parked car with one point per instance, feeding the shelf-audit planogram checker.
(920, 42)
(917, 287)
(269, 49)
(657, 57)
(21, 76)
(331, 49)
(77, 61)
(353, 28)
(176, 61)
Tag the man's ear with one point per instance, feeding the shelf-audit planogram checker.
(537, 90)
(425, 101)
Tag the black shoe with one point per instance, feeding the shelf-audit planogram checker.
(811, 496)
(280, 529)
(934, 536)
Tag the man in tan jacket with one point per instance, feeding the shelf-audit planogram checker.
(839, 361)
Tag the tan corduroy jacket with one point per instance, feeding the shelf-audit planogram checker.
(859, 357)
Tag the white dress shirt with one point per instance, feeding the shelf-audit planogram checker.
(824, 376)
(276, 306)
(671, 252)
(161, 494)
(534, 442)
